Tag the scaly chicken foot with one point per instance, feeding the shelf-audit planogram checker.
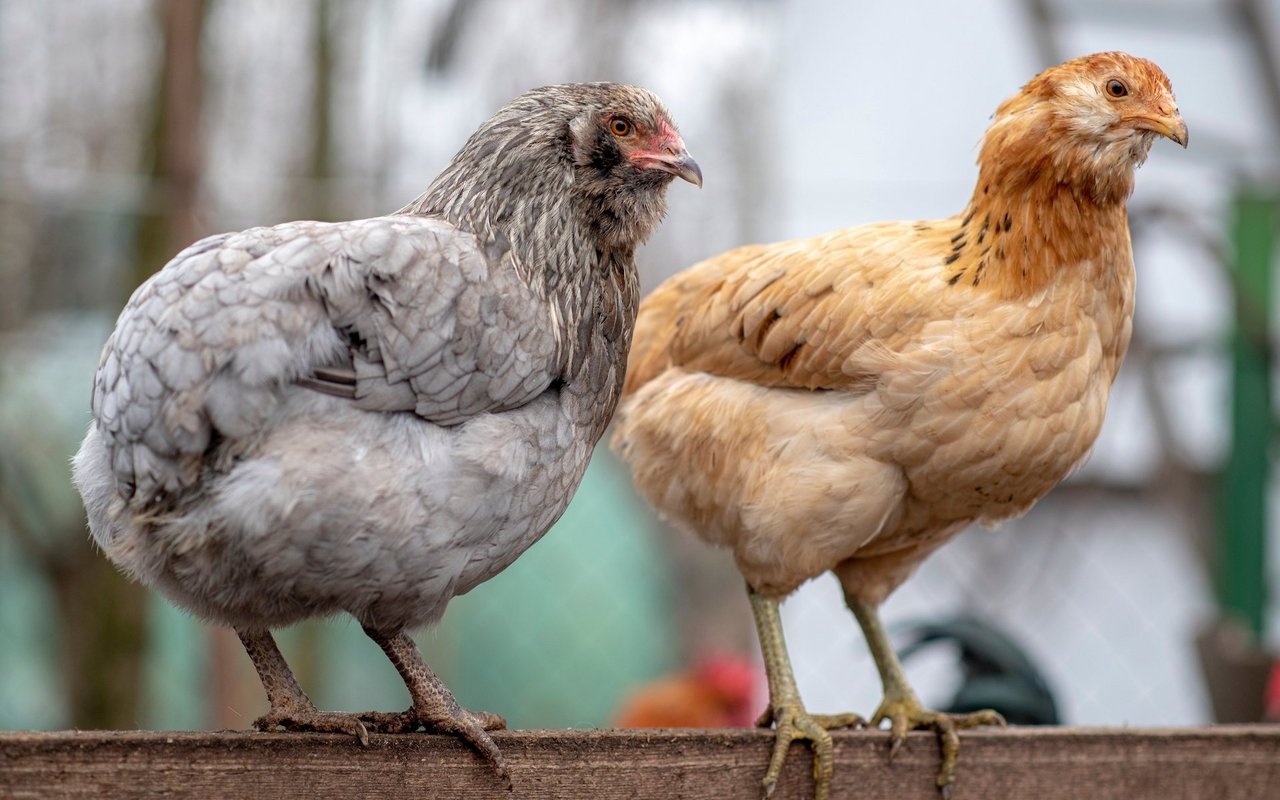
(434, 706)
(828, 721)
(291, 709)
(407, 721)
(907, 714)
(786, 711)
(903, 709)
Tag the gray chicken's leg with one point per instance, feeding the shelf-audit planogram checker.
(786, 710)
(291, 709)
(434, 706)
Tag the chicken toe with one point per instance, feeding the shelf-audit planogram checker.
(905, 713)
(408, 721)
(786, 711)
(434, 706)
(903, 709)
(301, 718)
(291, 709)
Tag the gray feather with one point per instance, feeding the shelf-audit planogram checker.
(234, 339)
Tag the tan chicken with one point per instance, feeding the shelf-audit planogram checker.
(852, 401)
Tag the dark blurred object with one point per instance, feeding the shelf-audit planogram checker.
(1236, 670)
(723, 691)
(444, 43)
(996, 672)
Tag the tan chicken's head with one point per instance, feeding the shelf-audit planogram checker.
(1087, 123)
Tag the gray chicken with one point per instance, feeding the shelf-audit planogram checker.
(377, 416)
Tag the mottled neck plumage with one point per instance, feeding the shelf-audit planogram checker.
(1043, 204)
(511, 186)
(1017, 246)
(523, 189)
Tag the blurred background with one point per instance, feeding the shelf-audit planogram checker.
(1135, 594)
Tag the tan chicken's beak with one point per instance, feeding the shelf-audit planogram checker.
(678, 162)
(1168, 125)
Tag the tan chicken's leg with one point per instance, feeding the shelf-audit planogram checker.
(786, 710)
(901, 706)
(291, 709)
(434, 706)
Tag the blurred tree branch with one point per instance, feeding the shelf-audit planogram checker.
(320, 204)
(174, 142)
(444, 42)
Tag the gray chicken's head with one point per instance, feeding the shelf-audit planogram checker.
(581, 160)
(626, 150)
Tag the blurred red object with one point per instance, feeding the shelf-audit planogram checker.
(723, 691)
(1271, 703)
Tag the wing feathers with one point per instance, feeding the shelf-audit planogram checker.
(394, 313)
(794, 314)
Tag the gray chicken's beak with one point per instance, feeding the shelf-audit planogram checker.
(677, 162)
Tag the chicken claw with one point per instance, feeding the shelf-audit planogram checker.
(786, 712)
(434, 706)
(905, 713)
(408, 721)
(307, 718)
(900, 705)
(291, 709)
(792, 722)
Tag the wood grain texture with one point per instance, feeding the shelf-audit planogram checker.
(1044, 764)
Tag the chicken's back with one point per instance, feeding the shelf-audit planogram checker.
(787, 314)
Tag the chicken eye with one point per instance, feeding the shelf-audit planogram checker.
(620, 127)
(1116, 89)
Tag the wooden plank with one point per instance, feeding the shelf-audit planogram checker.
(1041, 763)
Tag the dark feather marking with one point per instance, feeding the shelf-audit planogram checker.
(335, 389)
(765, 325)
(954, 278)
(957, 237)
(339, 375)
(952, 258)
(1007, 222)
(785, 362)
